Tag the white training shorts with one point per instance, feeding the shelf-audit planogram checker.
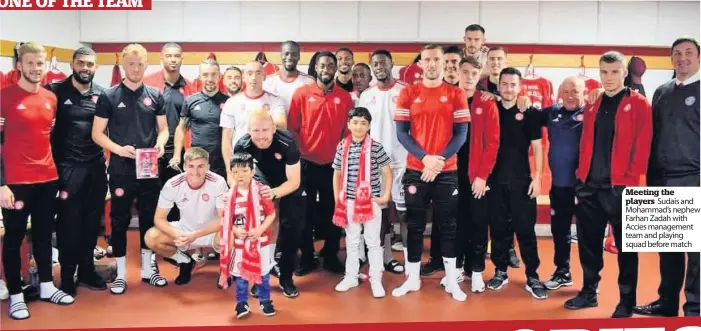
(201, 242)
(397, 188)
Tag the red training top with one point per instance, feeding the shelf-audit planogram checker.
(484, 137)
(318, 121)
(27, 152)
(432, 112)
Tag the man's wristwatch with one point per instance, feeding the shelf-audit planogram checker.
(274, 194)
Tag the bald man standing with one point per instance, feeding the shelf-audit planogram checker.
(237, 110)
(564, 124)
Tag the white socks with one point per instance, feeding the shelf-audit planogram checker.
(121, 267)
(451, 281)
(18, 309)
(47, 291)
(146, 269)
(406, 261)
(413, 280)
(477, 282)
(180, 257)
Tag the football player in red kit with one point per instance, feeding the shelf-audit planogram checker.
(29, 179)
(431, 122)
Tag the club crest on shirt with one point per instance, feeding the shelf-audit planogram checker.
(48, 106)
(278, 156)
(94, 99)
(519, 116)
(63, 195)
(119, 192)
(626, 108)
(444, 98)
(205, 197)
(690, 101)
(19, 204)
(394, 99)
(579, 118)
(221, 106)
(478, 111)
(147, 101)
(266, 107)
(337, 100)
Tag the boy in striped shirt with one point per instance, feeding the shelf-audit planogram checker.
(358, 165)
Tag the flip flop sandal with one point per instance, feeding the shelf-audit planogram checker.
(394, 267)
(156, 280)
(120, 287)
(56, 298)
(213, 256)
(18, 307)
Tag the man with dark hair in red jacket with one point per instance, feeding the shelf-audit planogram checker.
(614, 151)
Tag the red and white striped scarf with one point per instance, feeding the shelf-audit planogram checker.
(251, 260)
(362, 204)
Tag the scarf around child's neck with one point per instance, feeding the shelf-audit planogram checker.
(251, 260)
(362, 204)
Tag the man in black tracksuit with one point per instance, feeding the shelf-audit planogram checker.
(81, 167)
(674, 161)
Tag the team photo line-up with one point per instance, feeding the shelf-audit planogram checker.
(255, 168)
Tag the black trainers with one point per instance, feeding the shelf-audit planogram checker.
(91, 280)
(242, 310)
(229, 281)
(623, 311)
(267, 308)
(560, 278)
(289, 289)
(536, 288)
(275, 271)
(431, 267)
(254, 291)
(306, 268)
(513, 259)
(582, 300)
(185, 274)
(498, 281)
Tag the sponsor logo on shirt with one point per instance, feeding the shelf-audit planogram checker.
(68, 102)
(121, 105)
(417, 100)
(21, 107)
(198, 107)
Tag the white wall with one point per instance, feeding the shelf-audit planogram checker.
(56, 28)
(640, 23)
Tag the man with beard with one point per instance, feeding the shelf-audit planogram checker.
(234, 116)
(82, 176)
(134, 116)
(345, 63)
(201, 114)
(514, 190)
(613, 154)
(232, 80)
(451, 57)
(28, 178)
(381, 101)
(362, 76)
(288, 79)
(474, 46)
(431, 120)
(317, 120)
(674, 161)
(278, 167)
(175, 88)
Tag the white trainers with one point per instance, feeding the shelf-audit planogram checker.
(378, 291)
(346, 284)
(478, 285)
(4, 293)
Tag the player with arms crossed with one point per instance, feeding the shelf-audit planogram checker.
(198, 193)
(431, 122)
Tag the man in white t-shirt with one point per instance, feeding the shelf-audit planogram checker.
(381, 100)
(234, 116)
(284, 82)
(198, 193)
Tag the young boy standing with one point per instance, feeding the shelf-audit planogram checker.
(359, 194)
(246, 232)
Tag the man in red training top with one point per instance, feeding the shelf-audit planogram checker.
(28, 178)
(614, 151)
(317, 120)
(431, 122)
